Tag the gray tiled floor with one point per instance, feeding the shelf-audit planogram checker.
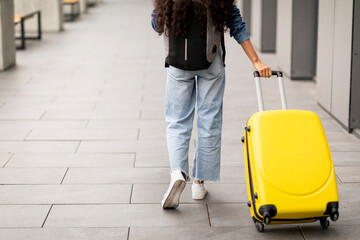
(83, 147)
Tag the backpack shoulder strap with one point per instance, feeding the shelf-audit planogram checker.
(223, 48)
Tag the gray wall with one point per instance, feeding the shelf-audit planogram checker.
(304, 39)
(355, 72)
(284, 35)
(7, 39)
(256, 19)
(342, 60)
(246, 14)
(263, 20)
(268, 30)
(83, 6)
(51, 13)
(296, 37)
(325, 52)
(334, 57)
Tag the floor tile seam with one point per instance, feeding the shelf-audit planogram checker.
(73, 139)
(134, 162)
(81, 204)
(42, 120)
(49, 140)
(61, 185)
(16, 92)
(337, 177)
(208, 214)
(64, 184)
(345, 182)
(340, 165)
(12, 154)
(190, 183)
(128, 233)
(27, 135)
(198, 203)
(138, 134)
(302, 232)
(47, 215)
(230, 203)
(38, 168)
(85, 129)
(83, 119)
(94, 107)
(72, 167)
(64, 176)
(163, 166)
(193, 227)
(131, 193)
(42, 115)
(75, 154)
(96, 204)
(78, 146)
(72, 184)
(100, 168)
(136, 227)
(101, 183)
(29, 119)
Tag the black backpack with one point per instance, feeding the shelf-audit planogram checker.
(195, 50)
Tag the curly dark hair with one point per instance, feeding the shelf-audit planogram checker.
(176, 15)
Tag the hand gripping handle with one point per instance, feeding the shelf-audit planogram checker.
(279, 75)
(273, 73)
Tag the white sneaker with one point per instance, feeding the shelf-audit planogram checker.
(177, 185)
(199, 191)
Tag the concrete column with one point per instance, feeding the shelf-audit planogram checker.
(334, 58)
(7, 35)
(284, 34)
(256, 6)
(51, 13)
(325, 52)
(263, 19)
(83, 6)
(342, 60)
(355, 72)
(246, 14)
(296, 37)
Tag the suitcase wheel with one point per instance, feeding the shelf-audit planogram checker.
(267, 218)
(324, 222)
(259, 226)
(334, 214)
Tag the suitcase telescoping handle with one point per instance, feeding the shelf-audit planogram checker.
(279, 75)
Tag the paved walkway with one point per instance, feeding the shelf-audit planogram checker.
(82, 140)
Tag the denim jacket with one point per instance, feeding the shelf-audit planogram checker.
(236, 25)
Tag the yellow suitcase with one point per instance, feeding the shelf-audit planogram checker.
(289, 170)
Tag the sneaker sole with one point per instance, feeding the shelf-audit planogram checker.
(172, 201)
(199, 197)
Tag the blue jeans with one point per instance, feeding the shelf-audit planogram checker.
(184, 90)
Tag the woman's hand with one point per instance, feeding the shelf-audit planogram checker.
(263, 69)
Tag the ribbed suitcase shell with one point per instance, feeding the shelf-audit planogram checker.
(288, 164)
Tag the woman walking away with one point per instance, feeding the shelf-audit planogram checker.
(195, 60)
